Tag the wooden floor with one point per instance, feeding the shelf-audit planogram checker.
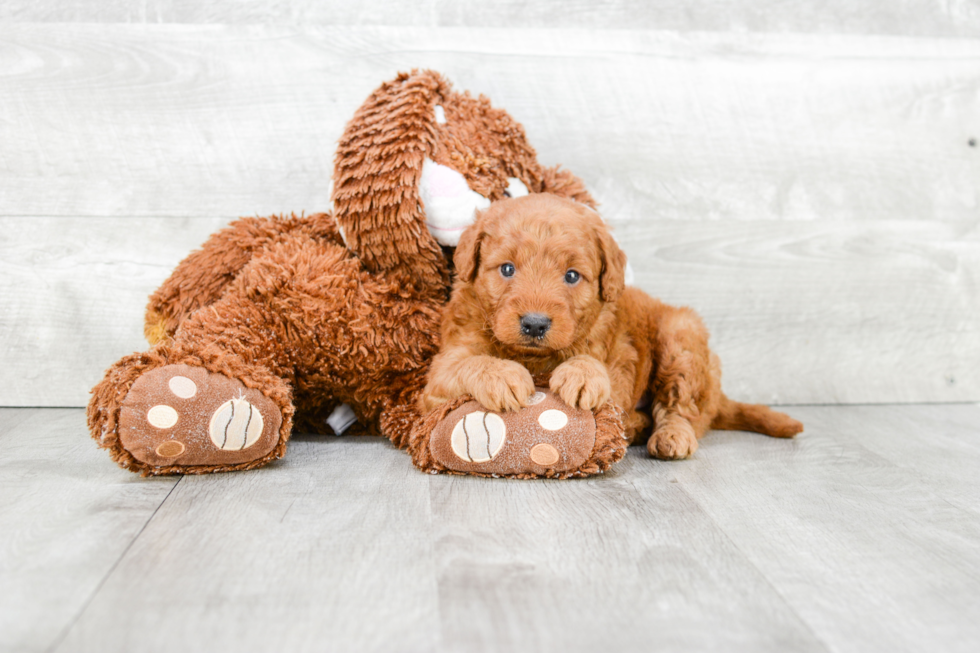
(861, 535)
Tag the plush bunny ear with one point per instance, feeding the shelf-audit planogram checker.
(376, 180)
(557, 181)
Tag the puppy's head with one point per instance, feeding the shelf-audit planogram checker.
(542, 268)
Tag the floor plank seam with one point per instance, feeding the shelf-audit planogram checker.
(912, 471)
(437, 585)
(71, 624)
(762, 575)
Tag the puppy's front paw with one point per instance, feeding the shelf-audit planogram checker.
(581, 382)
(503, 386)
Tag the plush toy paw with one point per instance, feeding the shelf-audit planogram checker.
(180, 415)
(546, 439)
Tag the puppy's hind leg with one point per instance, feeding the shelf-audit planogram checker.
(686, 384)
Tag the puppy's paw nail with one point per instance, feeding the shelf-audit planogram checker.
(536, 398)
(673, 441)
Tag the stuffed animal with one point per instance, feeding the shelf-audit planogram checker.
(547, 439)
(322, 320)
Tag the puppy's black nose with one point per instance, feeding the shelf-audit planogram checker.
(535, 325)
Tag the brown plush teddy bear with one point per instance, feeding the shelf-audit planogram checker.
(332, 317)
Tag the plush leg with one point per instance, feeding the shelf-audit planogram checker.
(300, 322)
(203, 277)
(547, 439)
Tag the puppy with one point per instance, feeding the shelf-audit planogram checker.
(540, 295)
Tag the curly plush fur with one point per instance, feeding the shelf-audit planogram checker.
(320, 310)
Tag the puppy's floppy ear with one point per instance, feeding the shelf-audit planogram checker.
(612, 280)
(467, 255)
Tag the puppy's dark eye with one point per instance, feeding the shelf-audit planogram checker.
(507, 270)
(572, 277)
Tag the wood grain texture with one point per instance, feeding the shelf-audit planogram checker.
(870, 554)
(624, 562)
(66, 517)
(907, 17)
(800, 312)
(825, 312)
(329, 549)
(182, 120)
(939, 445)
(74, 294)
(859, 535)
(815, 198)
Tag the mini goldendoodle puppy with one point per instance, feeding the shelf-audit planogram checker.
(540, 294)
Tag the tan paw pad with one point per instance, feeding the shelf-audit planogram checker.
(182, 387)
(544, 454)
(236, 425)
(162, 417)
(478, 437)
(170, 449)
(553, 420)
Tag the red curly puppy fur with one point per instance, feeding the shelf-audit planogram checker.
(540, 294)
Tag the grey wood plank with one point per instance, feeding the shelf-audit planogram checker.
(228, 120)
(800, 312)
(938, 444)
(828, 311)
(626, 562)
(870, 554)
(820, 543)
(905, 17)
(329, 549)
(67, 514)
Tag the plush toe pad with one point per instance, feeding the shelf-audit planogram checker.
(183, 415)
(546, 437)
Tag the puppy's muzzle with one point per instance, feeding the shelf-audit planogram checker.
(535, 325)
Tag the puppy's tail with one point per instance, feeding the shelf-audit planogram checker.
(736, 416)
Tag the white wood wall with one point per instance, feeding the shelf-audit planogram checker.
(800, 172)
(956, 18)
